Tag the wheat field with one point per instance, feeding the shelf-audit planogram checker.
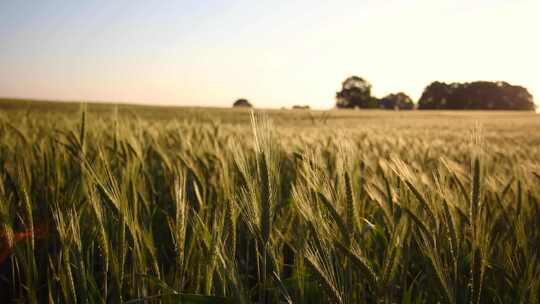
(112, 204)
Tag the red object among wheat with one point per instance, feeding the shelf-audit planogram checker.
(7, 246)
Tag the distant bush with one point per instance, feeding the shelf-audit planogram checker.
(297, 107)
(398, 101)
(242, 103)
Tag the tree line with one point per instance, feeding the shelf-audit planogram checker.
(478, 95)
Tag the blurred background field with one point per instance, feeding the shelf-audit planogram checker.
(287, 116)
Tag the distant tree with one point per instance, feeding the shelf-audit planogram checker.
(242, 103)
(435, 96)
(355, 92)
(518, 96)
(398, 101)
(297, 107)
(478, 95)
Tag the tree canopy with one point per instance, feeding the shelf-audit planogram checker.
(242, 103)
(478, 95)
(355, 92)
(397, 101)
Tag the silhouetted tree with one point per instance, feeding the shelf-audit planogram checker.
(398, 101)
(355, 92)
(242, 103)
(435, 96)
(478, 95)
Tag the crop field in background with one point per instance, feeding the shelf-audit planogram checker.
(134, 204)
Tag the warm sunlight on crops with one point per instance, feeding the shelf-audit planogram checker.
(224, 206)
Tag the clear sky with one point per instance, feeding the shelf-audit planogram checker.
(275, 53)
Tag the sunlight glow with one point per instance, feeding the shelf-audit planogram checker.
(275, 53)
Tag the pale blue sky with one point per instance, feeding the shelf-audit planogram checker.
(275, 53)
